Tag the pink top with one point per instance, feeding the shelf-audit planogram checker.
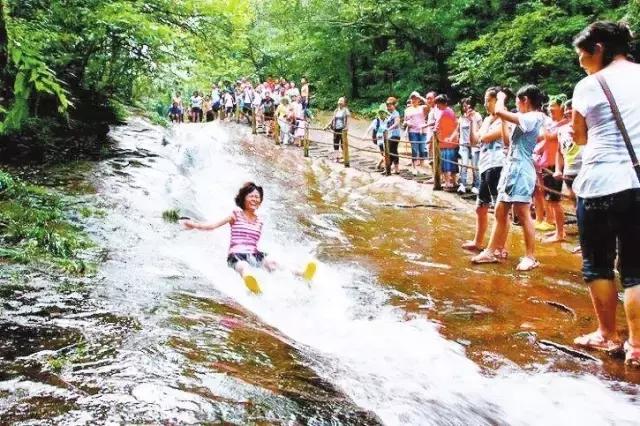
(245, 234)
(545, 150)
(415, 118)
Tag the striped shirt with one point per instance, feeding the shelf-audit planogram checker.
(245, 234)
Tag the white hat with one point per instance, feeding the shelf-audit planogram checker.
(415, 94)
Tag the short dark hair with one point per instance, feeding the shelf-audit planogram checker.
(468, 101)
(442, 99)
(533, 93)
(615, 37)
(247, 189)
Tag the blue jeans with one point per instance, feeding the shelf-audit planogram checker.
(465, 160)
(418, 146)
(610, 226)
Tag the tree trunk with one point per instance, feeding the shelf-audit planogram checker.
(6, 79)
(353, 67)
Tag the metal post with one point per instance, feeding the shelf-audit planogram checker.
(437, 186)
(387, 155)
(345, 148)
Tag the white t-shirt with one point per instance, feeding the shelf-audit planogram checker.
(465, 129)
(606, 165)
(228, 100)
(215, 96)
(257, 100)
(196, 102)
(293, 92)
(432, 118)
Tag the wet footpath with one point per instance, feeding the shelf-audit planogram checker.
(398, 328)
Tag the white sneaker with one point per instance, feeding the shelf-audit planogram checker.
(475, 190)
(462, 189)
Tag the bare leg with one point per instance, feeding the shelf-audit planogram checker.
(242, 268)
(632, 309)
(482, 222)
(549, 212)
(605, 301)
(269, 264)
(558, 215)
(501, 227)
(538, 202)
(523, 212)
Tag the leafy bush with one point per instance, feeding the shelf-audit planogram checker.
(33, 227)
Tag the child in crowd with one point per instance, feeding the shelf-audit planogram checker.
(377, 128)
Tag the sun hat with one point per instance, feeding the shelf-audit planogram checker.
(415, 94)
(383, 108)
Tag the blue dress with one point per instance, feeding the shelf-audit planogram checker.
(518, 178)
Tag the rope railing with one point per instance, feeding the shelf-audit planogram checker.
(344, 144)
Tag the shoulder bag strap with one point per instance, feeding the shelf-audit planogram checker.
(619, 122)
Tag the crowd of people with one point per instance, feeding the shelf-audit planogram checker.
(518, 161)
(266, 102)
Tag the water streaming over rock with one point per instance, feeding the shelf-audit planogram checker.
(167, 332)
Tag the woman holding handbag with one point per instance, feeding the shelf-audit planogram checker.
(606, 120)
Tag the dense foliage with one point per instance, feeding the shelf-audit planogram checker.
(68, 53)
(368, 49)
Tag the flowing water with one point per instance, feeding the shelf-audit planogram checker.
(397, 328)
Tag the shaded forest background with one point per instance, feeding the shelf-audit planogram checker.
(78, 61)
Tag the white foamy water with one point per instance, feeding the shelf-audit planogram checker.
(402, 370)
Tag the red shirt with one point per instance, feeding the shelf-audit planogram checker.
(445, 126)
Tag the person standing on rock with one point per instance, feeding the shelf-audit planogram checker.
(304, 93)
(518, 178)
(415, 117)
(608, 184)
(393, 128)
(488, 137)
(339, 123)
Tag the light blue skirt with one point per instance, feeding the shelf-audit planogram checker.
(517, 182)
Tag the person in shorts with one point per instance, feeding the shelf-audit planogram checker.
(488, 137)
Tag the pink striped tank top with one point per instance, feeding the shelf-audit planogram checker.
(245, 234)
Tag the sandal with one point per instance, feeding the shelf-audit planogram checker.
(527, 264)
(501, 254)
(596, 342)
(485, 256)
(471, 246)
(631, 355)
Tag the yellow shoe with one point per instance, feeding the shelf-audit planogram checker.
(310, 271)
(544, 226)
(252, 284)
